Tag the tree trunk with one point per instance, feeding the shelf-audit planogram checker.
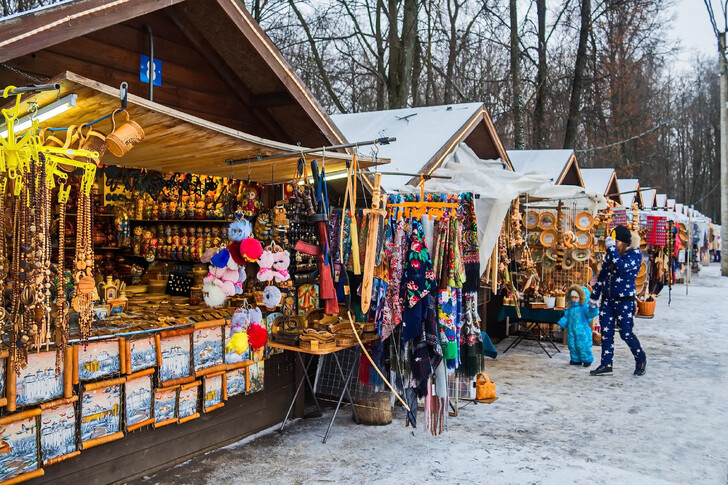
(452, 48)
(539, 110)
(572, 122)
(381, 81)
(517, 109)
(401, 51)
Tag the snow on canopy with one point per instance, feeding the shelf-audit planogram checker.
(597, 179)
(420, 132)
(661, 201)
(551, 162)
(628, 189)
(648, 197)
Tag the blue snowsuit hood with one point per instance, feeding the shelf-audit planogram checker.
(578, 333)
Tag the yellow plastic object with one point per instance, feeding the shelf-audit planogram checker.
(238, 343)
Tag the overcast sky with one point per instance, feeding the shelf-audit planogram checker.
(691, 26)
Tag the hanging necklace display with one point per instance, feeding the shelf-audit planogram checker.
(4, 262)
(84, 280)
(60, 332)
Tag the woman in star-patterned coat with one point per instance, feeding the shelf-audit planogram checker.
(616, 287)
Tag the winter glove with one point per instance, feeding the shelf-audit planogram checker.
(592, 303)
(609, 242)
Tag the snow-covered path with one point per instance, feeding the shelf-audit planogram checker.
(553, 423)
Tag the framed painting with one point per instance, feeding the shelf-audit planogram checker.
(97, 360)
(213, 391)
(269, 319)
(38, 382)
(207, 347)
(308, 298)
(236, 381)
(101, 405)
(19, 458)
(188, 401)
(138, 394)
(165, 406)
(233, 357)
(58, 431)
(174, 357)
(141, 354)
(3, 367)
(256, 373)
(289, 300)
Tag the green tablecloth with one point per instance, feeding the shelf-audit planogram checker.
(540, 315)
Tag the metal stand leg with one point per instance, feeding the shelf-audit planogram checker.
(345, 390)
(298, 389)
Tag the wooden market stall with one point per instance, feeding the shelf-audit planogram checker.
(561, 165)
(603, 181)
(224, 93)
(630, 192)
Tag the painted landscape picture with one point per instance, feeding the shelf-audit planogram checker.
(207, 347)
(235, 381)
(22, 457)
(57, 431)
(175, 358)
(213, 391)
(269, 319)
(142, 354)
(100, 412)
(138, 399)
(256, 376)
(188, 399)
(233, 357)
(98, 359)
(38, 381)
(165, 404)
(3, 363)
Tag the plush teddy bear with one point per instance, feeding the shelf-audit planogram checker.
(238, 342)
(266, 273)
(281, 261)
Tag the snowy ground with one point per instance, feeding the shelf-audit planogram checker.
(553, 423)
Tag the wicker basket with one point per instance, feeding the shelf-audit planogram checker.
(646, 308)
(317, 345)
(374, 410)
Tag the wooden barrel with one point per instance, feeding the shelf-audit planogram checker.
(374, 410)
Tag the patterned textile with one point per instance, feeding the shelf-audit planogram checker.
(448, 319)
(619, 312)
(419, 279)
(392, 313)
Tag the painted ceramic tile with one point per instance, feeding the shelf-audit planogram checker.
(207, 347)
(308, 298)
(165, 404)
(256, 376)
(100, 412)
(138, 399)
(289, 299)
(213, 390)
(143, 354)
(175, 358)
(38, 381)
(58, 431)
(233, 357)
(23, 454)
(188, 399)
(98, 359)
(235, 381)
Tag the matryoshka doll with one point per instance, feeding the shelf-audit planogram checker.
(200, 212)
(137, 242)
(172, 210)
(163, 210)
(190, 208)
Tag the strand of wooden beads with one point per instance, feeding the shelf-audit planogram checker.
(60, 332)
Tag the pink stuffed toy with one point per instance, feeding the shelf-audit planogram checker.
(225, 278)
(282, 259)
(265, 262)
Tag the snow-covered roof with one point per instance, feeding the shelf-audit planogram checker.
(551, 162)
(648, 197)
(680, 208)
(670, 204)
(597, 179)
(662, 201)
(421, 134)
(628, 189)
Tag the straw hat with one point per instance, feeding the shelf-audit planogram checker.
(531, 220)
(549, 263)
(569, 262)
(547, 221)
(548, 238)
(640, 280)
(584, 221)
(552, 254)
(583, 240)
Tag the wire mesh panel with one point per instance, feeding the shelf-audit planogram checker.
(328, 381)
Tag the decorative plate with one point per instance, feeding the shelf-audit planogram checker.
(569, 262)
(581, 255)
(552, 254)
(583, 240)
(547, 221)
(548, 238)
(584, 221)
(548, 263)
(537, 256)
(533, 239)
(531, 220)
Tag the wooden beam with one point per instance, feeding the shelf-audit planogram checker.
(34, 31)
(223, 70)
(272, 100)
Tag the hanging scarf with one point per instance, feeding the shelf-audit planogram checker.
(447, 316)
(455, 268)
(471, 340)
(469, 243)
(392, 313)
(418, 282)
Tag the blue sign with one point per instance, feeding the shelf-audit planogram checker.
(144, 71)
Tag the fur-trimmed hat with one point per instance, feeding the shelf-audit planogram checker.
(579, 291)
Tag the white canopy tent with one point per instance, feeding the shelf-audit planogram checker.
(496, 189)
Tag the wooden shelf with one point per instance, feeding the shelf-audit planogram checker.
(179, 221)
(73, 214)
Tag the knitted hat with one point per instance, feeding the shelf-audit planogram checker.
(622, 233)
(574, 294)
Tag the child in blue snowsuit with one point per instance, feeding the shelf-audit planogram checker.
(576, 321)
(616, 287)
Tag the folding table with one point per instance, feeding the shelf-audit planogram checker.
(533, 318)
(304, 355)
